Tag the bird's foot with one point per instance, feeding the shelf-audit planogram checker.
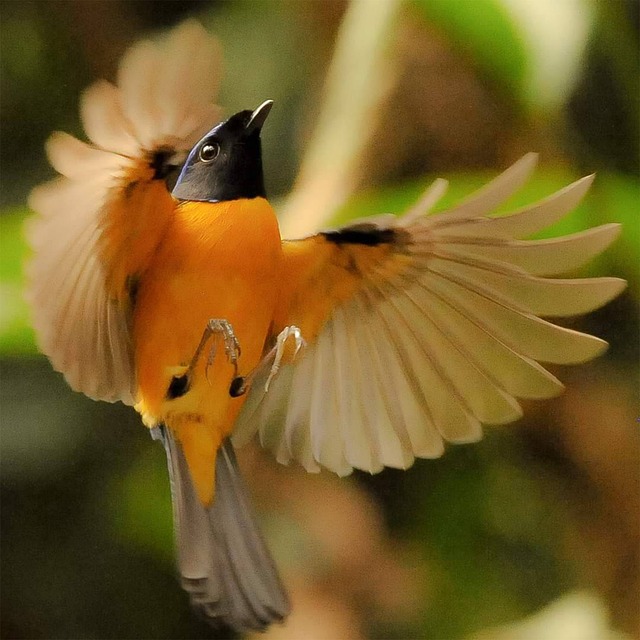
(181, 383)
(232, 349)
(279, 350)
(273, 360)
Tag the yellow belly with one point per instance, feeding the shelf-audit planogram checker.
(217, 261)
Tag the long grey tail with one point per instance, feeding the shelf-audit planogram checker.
(225, 565)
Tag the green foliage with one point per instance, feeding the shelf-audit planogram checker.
(16, 335)
(617, 198)
(489, 550)
(140, 504)
(486, 33)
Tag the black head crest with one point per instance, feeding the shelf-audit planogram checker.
(227, 163)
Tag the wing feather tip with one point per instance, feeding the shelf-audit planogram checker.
(430, 451)
(507, 418)
(470, 438)
(529, 159)
(587, 347)
(615, 230)
(600, 348)
(618, 285)
(612, 288)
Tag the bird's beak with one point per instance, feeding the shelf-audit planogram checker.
(259, 116)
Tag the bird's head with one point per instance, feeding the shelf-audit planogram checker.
(227, 163)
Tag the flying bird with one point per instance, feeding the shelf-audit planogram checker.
(159, 279)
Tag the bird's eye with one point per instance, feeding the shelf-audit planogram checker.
(209, 152)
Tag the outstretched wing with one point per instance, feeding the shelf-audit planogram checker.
(99, 222)
(421, 328)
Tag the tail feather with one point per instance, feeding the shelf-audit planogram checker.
(225, 565)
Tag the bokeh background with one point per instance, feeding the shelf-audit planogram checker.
(533, 530)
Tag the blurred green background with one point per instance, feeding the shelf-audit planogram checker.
(487, 535)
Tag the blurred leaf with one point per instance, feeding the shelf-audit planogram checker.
(140, 504)
(23, 50)
(486, 32)
(494, 560)
(16, 335)
(617, 199)
(555, 36)
(578, 615)
(616, 39)
(534, 49)
(44, 424)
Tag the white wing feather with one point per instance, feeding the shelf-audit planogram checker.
(159, 100)
(429, 355)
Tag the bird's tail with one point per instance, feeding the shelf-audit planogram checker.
(225, 565)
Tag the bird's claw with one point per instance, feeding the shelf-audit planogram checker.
(278, 350)
(240, 384)
(231, 344)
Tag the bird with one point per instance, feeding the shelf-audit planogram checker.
(159, 279)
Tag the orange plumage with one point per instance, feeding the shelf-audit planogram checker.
(218, 260)
(187, 304)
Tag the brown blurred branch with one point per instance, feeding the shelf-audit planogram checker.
(357, 81)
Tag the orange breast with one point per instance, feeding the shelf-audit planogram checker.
(219, 261)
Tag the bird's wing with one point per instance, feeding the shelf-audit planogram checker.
(98, 221)
(421, 328)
